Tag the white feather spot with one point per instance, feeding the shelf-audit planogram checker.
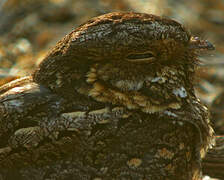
(169, 113)
(156, 79)
(181, 92)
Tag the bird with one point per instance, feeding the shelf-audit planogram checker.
(114, 99)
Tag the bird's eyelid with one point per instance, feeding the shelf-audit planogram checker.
(140, 56)
(196, 43)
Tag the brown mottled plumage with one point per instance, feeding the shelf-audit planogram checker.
(113, 100)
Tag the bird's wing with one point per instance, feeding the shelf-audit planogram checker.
(22, 104)
(31, 112)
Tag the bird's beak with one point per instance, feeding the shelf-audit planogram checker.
(198, 44)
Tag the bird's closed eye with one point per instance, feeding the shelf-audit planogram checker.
(148, 56)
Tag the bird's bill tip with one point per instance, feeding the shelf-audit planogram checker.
(196, 43)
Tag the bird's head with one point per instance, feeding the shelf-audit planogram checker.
(132, 59)
(136, 38)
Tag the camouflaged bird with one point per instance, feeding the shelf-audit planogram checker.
(114, 99)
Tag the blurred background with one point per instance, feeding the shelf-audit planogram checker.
(29, 28)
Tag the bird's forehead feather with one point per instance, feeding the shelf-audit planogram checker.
(127, 25)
